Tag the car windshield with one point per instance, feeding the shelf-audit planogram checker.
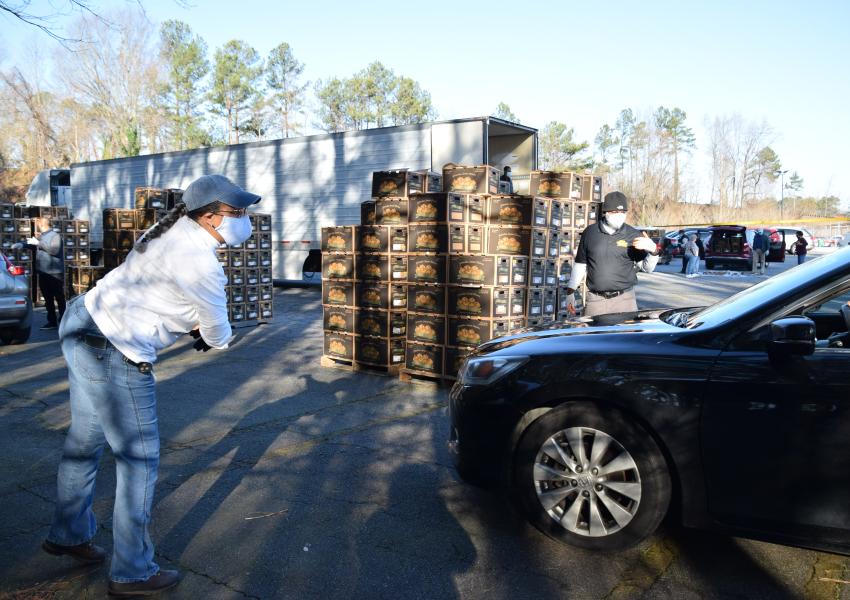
(759, 294)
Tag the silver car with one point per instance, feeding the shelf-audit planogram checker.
(15, 303)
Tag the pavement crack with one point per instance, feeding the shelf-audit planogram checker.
(642, 574)
(208, 577)
(827, 579)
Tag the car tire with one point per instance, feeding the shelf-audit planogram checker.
(595, 505)
(14, 335)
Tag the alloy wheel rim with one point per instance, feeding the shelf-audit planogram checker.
(587, 481)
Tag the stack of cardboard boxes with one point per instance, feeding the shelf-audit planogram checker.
(248, 268)
(443, 272)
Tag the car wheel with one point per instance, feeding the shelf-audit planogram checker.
(13, 335)
(591, 478)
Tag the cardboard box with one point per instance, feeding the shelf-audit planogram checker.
(565, 269)
(513, 211)
(337, 266)
(260, 222)
(235, 294)
(398, 266)
(426, 298)
(575, 187)
(384, 352)
(252, 259)
(338, 318)
(339, 293)
(252, 311)
(221, 254)
(150, 197)
(455, 358)
(145, 218)
(266, 292)
(424, 358)
(553, 244)
(369, 294)
(472, 270)
(339, 345)
(596, 189)
(537, 272)
(265, 258)
(580, 215)
(253, 276)
(430, 237)
(426, 328)
(338, 239)
(482, 179)
(426, 268)
(432, 182)
(534, 306)
(397, 183)
(567, 242)
(380, 323)
(236, 313)
(509, 240)
(391, 211)
(371, 238)
(593, 212)
(252, 293)
(468, 332)
(431, 207)
(236, 259)
(550, 184)
(550, 299)
(485, 302)
(556, 213)
(550, 275)
(251, 243)
(372, 267)
(467, 239)
(266, 310)
(367, 213)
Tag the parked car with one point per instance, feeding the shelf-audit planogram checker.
(736, 414)
(730, 245)
(15, 303)
(674, 250)
(776, 252)
(791, 235)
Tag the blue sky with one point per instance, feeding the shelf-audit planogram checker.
(580, 63)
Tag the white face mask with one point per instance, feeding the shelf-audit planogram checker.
(615, 220)
(234, 230)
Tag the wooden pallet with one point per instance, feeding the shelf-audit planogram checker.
(412, 376)
(351, 365)
(250, 323)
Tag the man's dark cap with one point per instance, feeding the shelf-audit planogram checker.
(217, 188)
(615, 201)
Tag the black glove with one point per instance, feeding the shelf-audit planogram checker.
(200, 345)
(195, 333)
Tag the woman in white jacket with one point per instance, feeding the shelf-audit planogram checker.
(170, 284)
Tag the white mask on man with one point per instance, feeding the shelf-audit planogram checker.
(234, 230)
(615, 219)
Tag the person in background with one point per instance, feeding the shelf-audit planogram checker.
(691, 252)
(799, 247)
(701, 246)
(609, 256)
(761, 245)
(50, 266)
(506, 176)
(683, 241)
(170, 284)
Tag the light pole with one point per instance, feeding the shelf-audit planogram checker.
(781, 193)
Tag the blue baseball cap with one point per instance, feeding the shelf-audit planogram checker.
(216, 188)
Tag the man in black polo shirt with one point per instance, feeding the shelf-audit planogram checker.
(609, 256)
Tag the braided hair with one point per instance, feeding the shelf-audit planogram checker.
(170, 218)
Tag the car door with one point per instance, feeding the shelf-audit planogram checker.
(776, 437)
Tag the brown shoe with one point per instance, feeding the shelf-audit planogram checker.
(155, 584)
(86, 553)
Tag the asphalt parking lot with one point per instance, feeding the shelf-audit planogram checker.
(281, 479)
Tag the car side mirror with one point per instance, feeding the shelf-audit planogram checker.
(792, 336)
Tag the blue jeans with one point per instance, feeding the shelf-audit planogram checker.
(111, 402)
(801, 258)
(693, 265)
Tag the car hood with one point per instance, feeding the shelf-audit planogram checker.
(641, 322)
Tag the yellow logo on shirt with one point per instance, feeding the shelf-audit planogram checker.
(622, 244)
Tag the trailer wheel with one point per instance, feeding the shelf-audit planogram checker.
(312, 268)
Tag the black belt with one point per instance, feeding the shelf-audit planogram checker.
(98, 341)
(609, 295)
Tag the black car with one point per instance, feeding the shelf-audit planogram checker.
(737, 415)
